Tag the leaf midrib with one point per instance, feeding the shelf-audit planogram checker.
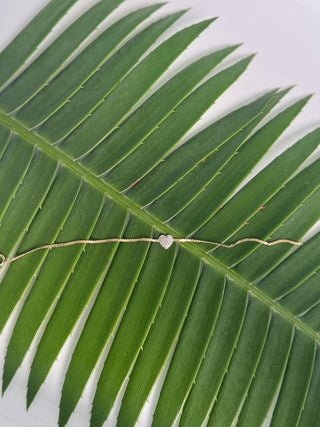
(54, 152)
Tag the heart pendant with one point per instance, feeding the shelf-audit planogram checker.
(166, 241)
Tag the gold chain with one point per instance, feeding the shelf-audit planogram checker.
(165, 241)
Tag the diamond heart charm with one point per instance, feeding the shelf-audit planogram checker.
(166, 241)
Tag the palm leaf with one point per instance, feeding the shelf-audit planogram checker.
(87, 151)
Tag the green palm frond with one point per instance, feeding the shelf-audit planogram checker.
(89, 151)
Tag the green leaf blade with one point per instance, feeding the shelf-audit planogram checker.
(181, 162)
(285, 278)
(191, 347)
(271, 216)
(296, 382)
(148, 293)
(95, 128)
(67, 118)
(45, 227)
(78, 290)
(201, 209)
(106, 311)
(15, 54)
(149, 154)
(310, 413)
(242, 366)
(268, 375)
(261, 188)
(68, 81)
(219, 353)
(262, 261)
(32, 79)
(160, 339)
(304, 297)
(50, 280)
(156, 109)
(14, 164)
(27, 200)
(4, 139)
(312, 318)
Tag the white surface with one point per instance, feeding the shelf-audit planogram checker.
(285, 33)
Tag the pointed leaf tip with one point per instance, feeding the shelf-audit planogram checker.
(150, 10)
(308, 97)
(205, 23)
(236, 46)
(183, 11)
(176, 15)
(155, 6)
(304, 100)
(246, 61)
(252, 55)
(9, 371)
(285, 91)
(290, 87)
(30, 397)
(210, 20)
(62, 421)
(6, 380)
(180, 13)
(230, 48)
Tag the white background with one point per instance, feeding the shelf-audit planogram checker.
(286, 35)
